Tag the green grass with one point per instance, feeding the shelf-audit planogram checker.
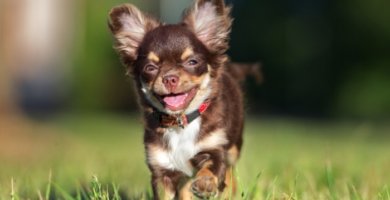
(101, 157)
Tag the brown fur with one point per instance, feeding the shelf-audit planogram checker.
(193, 51)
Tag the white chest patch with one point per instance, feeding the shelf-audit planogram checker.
(182, 146)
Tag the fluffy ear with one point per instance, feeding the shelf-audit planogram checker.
(129, 26)
(210, 21)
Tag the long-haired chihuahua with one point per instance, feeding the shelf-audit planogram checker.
(192, 104)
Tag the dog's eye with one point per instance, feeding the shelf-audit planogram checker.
(192, 62)
(150, 68)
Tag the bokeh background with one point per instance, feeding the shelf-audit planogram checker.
(64, 95)
(321, 59)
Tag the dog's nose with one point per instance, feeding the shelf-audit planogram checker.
(171, 81)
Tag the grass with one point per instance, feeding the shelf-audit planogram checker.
(101, 157)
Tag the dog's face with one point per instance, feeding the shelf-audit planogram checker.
(174, 66)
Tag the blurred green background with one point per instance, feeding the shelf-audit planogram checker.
(321, 59)
(320, 117)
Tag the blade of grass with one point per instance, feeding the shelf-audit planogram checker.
(12, 189)
(48, 187)
(78, 197)
(294, 192)
(330, 181)
(81, 194)
(253, 189)
(106, 194)
(116, 191)
(240, 184)
(384, 193)
(13, 195)
(96, 188)
(271, 194)
(63, 193)
(40, 197)
(354, 193)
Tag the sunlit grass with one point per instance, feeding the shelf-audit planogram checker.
(101, 157)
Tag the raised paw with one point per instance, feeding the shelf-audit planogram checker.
(204, 187)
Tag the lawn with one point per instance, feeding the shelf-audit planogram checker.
(101, 156)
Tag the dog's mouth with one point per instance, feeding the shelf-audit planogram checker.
(177, 101)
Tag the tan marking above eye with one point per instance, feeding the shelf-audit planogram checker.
(197, 79)
(153, 57)
(186, 53)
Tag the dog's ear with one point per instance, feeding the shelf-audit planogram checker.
(129, 26)
(211, 22)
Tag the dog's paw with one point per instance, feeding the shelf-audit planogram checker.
(204, 187)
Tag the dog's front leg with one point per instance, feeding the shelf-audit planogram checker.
(209, 179)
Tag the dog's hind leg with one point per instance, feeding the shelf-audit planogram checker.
(163, 188)
(230, 184)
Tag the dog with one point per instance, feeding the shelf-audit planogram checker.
(192, 104)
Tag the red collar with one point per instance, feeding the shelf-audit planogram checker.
(182, 120)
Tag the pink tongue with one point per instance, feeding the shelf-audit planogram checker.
(175, 101)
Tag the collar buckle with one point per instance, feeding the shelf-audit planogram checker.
(179, 122)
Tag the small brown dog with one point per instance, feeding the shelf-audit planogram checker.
(192, 104)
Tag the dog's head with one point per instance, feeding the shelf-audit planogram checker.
(174, 66)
